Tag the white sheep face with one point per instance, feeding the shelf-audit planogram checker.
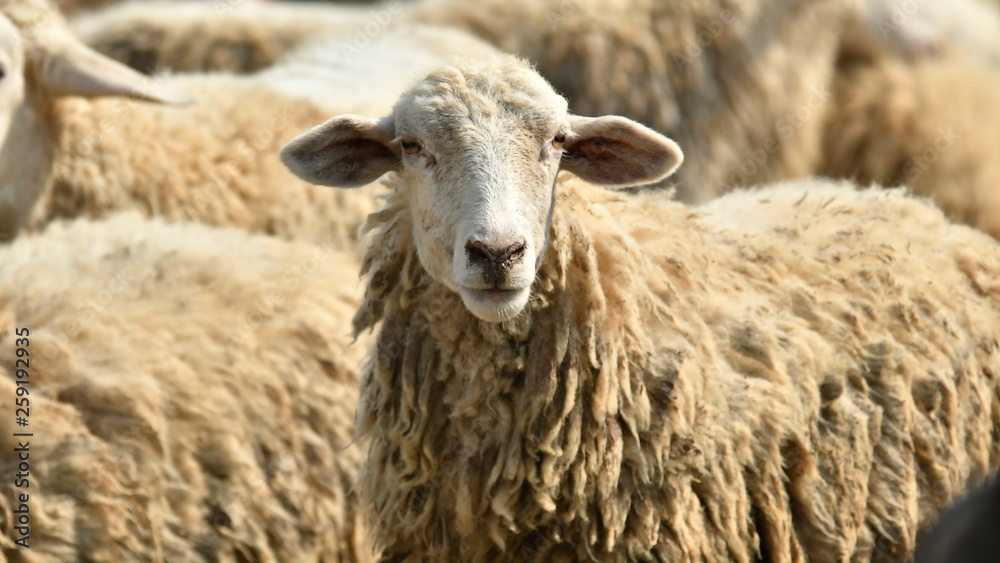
(477, 148)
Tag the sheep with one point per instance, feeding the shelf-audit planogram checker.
(191, 398)
(236, 36)
(740, 84)
(207, 162)
(925, 126)
(85, 7)
(966, 532)
(920, 29)
(562, 373)
(74, 6)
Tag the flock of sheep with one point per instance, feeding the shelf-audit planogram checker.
(638, 279)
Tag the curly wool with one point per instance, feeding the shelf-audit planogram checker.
(191, 396)
(807, 372)
(740, 85)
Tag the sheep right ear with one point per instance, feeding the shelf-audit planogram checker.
(616, 151)
(348, 151)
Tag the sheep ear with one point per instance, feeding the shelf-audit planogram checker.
(615, 151)
(67, 67)
(347, 151)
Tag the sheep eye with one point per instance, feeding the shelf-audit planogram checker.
(558, 141)
(3, 72)
(411, 147)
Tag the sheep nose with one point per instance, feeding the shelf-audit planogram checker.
(495, 257)
(498, 252)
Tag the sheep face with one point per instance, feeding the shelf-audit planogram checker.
(477, 149)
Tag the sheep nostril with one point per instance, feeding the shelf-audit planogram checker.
(512, 252)
(478, 252)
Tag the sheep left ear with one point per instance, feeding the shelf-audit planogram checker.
(615, 151)
(347, 151)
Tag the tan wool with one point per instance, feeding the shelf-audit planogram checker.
(192, 395)
(931, 126)
(805, 372)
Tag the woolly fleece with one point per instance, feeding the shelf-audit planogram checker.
(805, 372)
(191, 397)
(213, 162)
(933, 127)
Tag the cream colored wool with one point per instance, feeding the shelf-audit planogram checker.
(191, 395)
(335, 75)
(805, 372)
(741, 85)
(933, 127)
(213, 162)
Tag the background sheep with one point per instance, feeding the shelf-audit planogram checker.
(915, 93)
(85, 6)
(237, 36)
(918, 29)
(932, 127)
(212, 162)
(805, 372)
(741, 85)
(191, 398)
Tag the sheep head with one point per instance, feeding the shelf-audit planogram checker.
(40, 60)
(477, 148)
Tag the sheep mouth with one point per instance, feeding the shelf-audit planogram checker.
(493, 290)
(492, 293)
(494, 304)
